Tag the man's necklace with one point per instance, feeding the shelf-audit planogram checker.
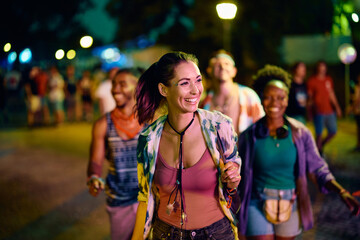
(225, 106)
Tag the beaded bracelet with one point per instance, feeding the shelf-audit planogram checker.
(231, 191)
(94, 177)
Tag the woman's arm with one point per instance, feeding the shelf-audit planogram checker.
(347, 198)
(138, 233)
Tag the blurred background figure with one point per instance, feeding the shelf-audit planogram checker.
(356, 111)
(56, 94)
(36, 93)
(237, 101)
(298, 93)
(3, 117)
(12, 94)
(323, 104)
(85, 90)
(71, 101)
(115, 137)
(103, 93)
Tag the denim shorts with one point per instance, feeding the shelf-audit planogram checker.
(327, 120)
(218, 230)
(257, 224)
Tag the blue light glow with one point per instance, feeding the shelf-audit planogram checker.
(25, 56)
(12, 57)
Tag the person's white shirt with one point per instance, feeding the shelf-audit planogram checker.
(106, 100)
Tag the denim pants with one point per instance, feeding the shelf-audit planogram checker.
(218, 230)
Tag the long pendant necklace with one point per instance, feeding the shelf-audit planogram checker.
(178, 185)
(276, 141)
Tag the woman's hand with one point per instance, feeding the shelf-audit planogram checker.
(350, 202)
(230, 175)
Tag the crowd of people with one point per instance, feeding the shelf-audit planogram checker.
(192, 155)
(49, 96)
(223, 162)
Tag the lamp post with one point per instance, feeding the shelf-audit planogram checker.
(227, 12)
(347, 54)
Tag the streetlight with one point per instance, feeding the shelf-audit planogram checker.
(227, 12)
(347, 54)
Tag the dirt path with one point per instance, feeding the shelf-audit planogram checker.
(43, 196)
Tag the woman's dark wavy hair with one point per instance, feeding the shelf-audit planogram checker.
(268, 73)
(148, 97)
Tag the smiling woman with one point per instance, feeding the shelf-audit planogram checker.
(184, 91)
(278, 153)
(178, 165)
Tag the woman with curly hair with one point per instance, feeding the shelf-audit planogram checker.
(278, 152)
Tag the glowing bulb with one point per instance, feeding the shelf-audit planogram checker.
(355, 17)
(59, 54)
(7, 47)
(86, 41)
(25, 56)
(71, 54)
(12, 57)
(226, 10)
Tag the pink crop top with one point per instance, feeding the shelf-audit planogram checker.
(200, 183)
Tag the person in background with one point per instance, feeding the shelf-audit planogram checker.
(106, 101)
(298, 93)
(3, 112)
(278, 153)
(12, 93)
(230, 98)
(71, 91)
(356, 111)
(115, 137)
(37, 97)
(56, 95)
(85, 90)
(323, 103)
(181, 186)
